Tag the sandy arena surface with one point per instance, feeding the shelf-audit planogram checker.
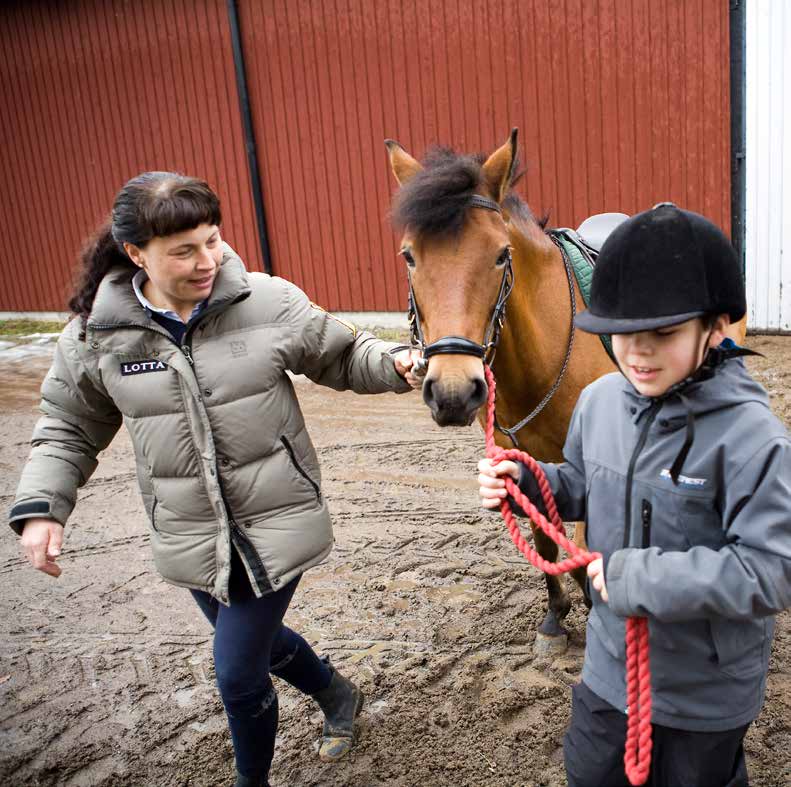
(106, 674)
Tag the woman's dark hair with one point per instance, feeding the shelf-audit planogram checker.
(154, 204)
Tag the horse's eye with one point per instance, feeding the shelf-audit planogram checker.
(505, 256)
(407, 255)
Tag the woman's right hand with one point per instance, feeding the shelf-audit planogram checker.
(42, 540)
(492, 485)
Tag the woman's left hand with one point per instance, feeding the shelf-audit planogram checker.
(409, 364)
(596, 574)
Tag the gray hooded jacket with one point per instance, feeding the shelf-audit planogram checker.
(223, 456)
(706, 558)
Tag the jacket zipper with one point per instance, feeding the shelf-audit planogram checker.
(630, 473)
(293, 456)
(645, 514)
(186, 350)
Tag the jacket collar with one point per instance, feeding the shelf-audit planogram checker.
(690, 397)
(117, 305)
(715, 360)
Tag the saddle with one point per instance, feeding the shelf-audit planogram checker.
(596, 229)
(582, 247)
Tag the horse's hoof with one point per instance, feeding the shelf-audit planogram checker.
(553, 646)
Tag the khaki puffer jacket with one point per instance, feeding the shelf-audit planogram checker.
(222, 453)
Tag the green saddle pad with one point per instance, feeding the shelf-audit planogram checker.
(582, 266)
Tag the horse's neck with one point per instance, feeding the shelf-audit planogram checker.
(536, 330)
(534, 344)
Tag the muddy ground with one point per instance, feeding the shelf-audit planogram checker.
(106, 674)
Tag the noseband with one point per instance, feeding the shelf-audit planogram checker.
(461, 345)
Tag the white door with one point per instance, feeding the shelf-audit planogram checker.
(768, 165)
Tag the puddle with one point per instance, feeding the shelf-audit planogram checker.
(402, 584)
(457, 594)
(183, 697)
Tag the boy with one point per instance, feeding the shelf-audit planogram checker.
(683, 476)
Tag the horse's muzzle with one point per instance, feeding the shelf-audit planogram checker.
(454, 402)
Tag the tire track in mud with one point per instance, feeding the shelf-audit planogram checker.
(89, 550)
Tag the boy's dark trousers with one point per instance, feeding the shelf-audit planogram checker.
(594, 745)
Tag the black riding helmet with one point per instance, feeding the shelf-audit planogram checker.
(660, 268)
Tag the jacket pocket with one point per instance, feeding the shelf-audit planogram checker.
(298, 467)
(701, 523)
(154, 514)
(739, 645)
(646, 510)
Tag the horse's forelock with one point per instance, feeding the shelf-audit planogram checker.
(433, 202)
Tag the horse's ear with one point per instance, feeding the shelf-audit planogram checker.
(499, 168)
(403, 165)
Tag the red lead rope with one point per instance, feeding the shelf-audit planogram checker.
(637, 756)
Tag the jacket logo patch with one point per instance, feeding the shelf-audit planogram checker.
(684, 479)
(143, 367)
(238, 349)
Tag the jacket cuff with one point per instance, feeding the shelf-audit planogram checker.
(616, 579)
(27, 509)
(400, 385)
(528, 486)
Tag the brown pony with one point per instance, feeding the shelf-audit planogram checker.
(468, 241)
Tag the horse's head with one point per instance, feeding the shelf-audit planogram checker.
(458, 256)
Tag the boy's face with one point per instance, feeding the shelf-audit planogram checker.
(654, 361)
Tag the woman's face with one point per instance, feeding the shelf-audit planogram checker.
(181, 268)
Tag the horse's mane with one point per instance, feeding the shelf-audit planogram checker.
(433, 203)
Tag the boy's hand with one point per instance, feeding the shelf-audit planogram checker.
(42, 540)
(492, 485)
(596, 574)
(411, 366)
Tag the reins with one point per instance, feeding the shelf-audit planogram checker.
(637, 755)
(512, 431)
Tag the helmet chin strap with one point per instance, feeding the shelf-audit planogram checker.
(706, 349)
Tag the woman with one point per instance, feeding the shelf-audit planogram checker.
(174, 338)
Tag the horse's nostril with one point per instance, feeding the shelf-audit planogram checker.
(428, 391)
(479, 391)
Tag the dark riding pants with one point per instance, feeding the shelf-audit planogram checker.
(593, 750)
(250, 642)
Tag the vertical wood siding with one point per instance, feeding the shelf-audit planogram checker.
(768, 189)
(93, 94)
(620, 104)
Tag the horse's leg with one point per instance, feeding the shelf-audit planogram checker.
(552, 638)
(581, 574)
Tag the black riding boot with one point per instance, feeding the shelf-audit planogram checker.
(341, 701)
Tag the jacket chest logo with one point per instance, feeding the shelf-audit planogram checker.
(143, 367)
(238, 349)
(685, 480)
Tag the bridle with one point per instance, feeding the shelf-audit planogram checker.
(461, 345)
